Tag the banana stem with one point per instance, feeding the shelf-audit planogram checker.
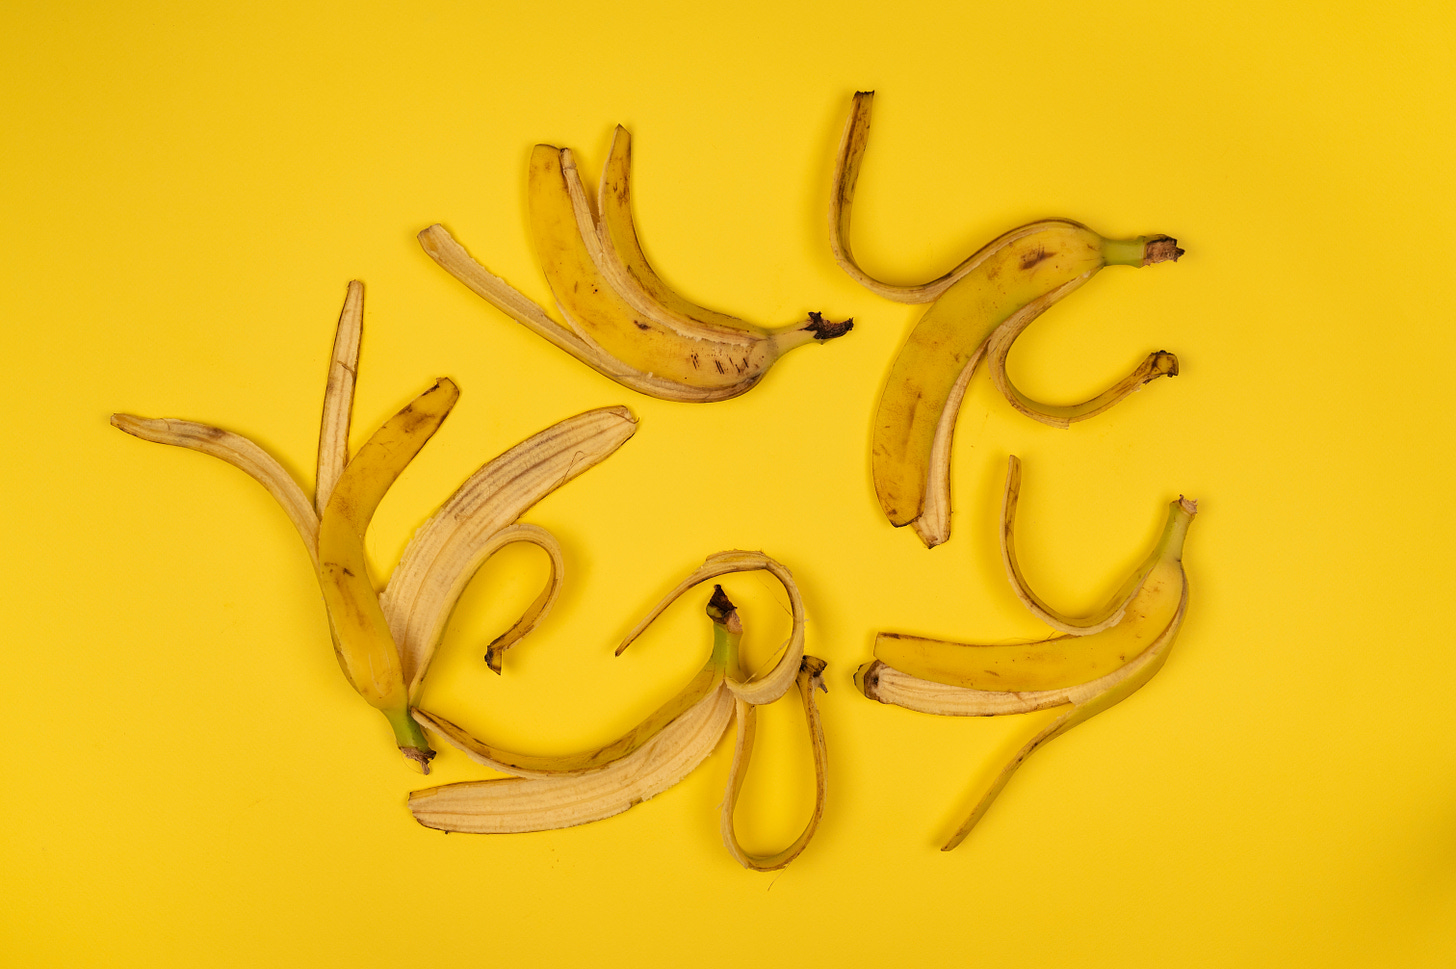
(1142, 251)
(727, 628)
(410, 737)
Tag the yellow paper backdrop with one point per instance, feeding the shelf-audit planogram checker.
(185, 191)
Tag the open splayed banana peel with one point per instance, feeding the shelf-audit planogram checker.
(620, 318)
(1097, 662)
(978, 310)
(548, 792)
(385, 641)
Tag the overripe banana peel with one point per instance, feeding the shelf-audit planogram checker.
(1094, 665)
(979, 309)
(548, 792)
(618, 316)
(384, 642)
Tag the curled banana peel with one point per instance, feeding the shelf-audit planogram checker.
(618, 316)
(384, 642)
(978, 310)
(1081, 674)
(558, 791)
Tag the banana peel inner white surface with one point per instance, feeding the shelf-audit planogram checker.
(548, 792)
(471, 526)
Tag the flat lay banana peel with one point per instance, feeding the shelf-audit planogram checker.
(1097, 662)
(549, 792)
(385, 641)
(617, 314)
(978, 310)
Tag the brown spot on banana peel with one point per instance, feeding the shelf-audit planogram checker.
(1031, 258)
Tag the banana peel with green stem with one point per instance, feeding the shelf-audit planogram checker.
(385, 640)
(549, 792)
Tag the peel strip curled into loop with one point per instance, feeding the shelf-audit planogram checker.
(446, 551)
(769, 686)
(811, 670)
(1104, 618)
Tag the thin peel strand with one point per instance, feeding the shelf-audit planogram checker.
(810, 677)
(454, 259)
(1104, 618)
(242, 454)
(541, 606)
(333, 451)
(776, 682)
(1159, 363)
(848, 160)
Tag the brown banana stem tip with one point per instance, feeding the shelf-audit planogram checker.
(1161, 249)
(720, 606)
(827, 330)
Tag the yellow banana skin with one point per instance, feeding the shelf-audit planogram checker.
(624, 323)
(562, 791)
(1081, 675)
(362, 639)
(1018, 277)
(643, 337)
(626, 266)
(979, 309)
(1049, 664)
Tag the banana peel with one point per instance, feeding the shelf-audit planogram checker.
(1093, 666)
(384, 641)
(550, 792)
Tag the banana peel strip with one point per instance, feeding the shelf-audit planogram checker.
(1105, 618)
(617, 242)
(758, 689)
(1159, 363)
(1083, 701)
(333, 449)
(509, 805)
(454, 259)
(847, 163)
(447, 550)
(538, 765)
(242, 454)
(810, 677)
(933, 522)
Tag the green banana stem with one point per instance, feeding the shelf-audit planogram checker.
(410, 737)
(1142, 251)
(727, 628)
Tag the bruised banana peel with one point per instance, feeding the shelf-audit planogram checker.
(979, 309)
(620, 318)
(559, 791)
(1081, 674)
(384, 642)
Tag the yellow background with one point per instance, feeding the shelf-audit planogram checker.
(187, 779)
